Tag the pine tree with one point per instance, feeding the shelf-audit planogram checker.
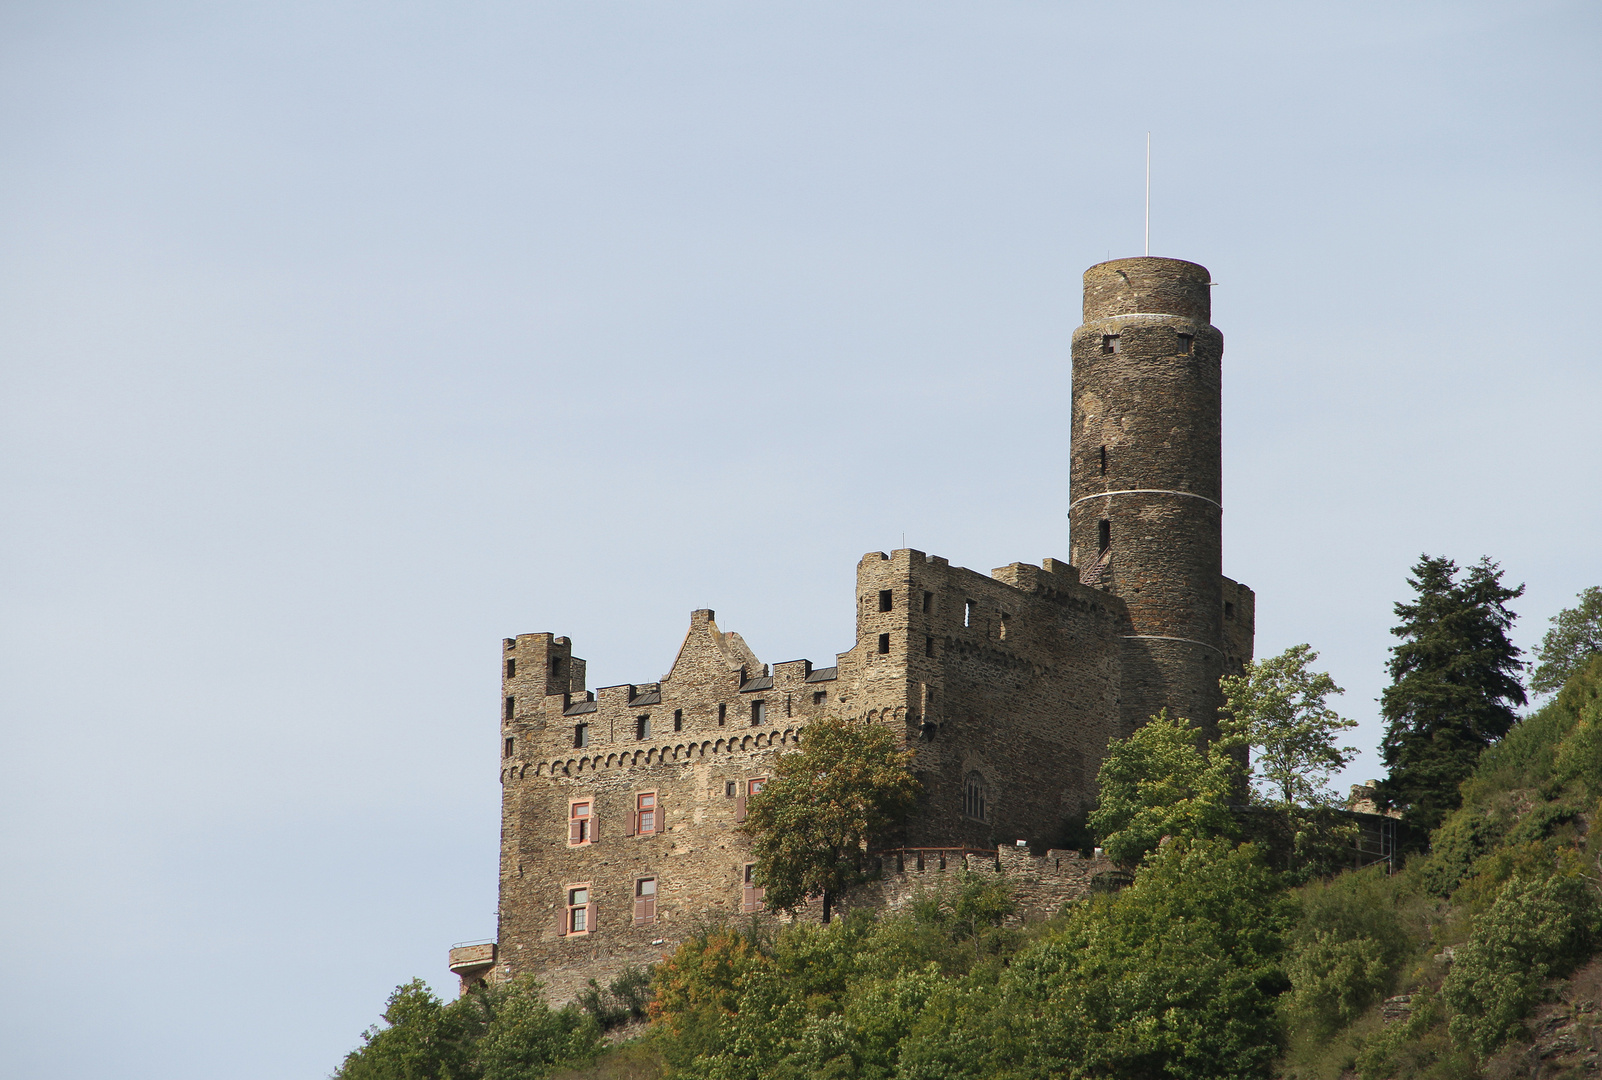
(1454, 683)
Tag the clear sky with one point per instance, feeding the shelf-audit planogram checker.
(341, 340)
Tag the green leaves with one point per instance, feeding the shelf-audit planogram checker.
(1535, 929)
(504, 1032)
(1280, 707)
(1575, 637)
(1174, 976)
(1163, 781)
(813, 821)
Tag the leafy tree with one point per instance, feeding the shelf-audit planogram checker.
(811, 824)
(524, 1038)
(1175, 976)
(424, 1039)
(504, 1032)
(1279, 706)
(1163, 781)
(1454, 683)
(1534, 930)
(1575, 637)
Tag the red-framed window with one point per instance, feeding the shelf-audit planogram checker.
(647, 814)
(580, 822)
(751, 787)
(578, 911)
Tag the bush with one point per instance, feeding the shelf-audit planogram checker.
(1462, 839)
(1175, 976)
(1343, 953)
(1536, 929)
(627, 998)
(504, 1032)
(525, 1037)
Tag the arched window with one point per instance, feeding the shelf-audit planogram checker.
(973, 797)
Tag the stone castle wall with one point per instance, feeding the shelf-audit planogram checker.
(1040, 885)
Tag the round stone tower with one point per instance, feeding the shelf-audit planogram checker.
(1145, 484)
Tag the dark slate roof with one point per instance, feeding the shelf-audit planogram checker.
(824, 674)
(578, 708)
(763, 683)
(653, 698)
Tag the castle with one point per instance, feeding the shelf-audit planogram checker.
(620, 805)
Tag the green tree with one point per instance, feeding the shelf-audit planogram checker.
(1163, 780)
(524, 1038)
(1454, 683)
(424, 1039)
(1175, 976)
(504, 1032)
(1575, 637)
(1534, 930)
(1280, 707)
(811, 824)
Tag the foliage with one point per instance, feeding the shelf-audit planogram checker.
(624, 999)
(1280, 707)
(423, 1039)
(1175, 976)
(1343, 953)
(524, 1037)
(1537, 928)
(634, 1059)
(1578, 761)
(1454, 682)
(1575, 637)
(836, 1000)
(1162, 781)
(504, 1032)
(811, 824)
(1416, 1048)
(1456, 846)
(1504, 895)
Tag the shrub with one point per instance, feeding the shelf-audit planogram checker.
(1464, 837)
(1343, 953)
(525, 1037)
(627, 998)
(504, 1032)
(1536, 929)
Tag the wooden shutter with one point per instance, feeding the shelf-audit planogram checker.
(575, 829)
(739, 808)
(650, 909)
(633, 824)
(589, 916)
(561, 920)
(749, 899)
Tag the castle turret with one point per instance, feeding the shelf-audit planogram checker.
(1145, 488)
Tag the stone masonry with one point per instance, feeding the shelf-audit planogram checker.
(620, 806)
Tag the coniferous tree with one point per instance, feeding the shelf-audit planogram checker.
(1454, 684)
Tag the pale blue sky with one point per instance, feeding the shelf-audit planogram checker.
(342, 340)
